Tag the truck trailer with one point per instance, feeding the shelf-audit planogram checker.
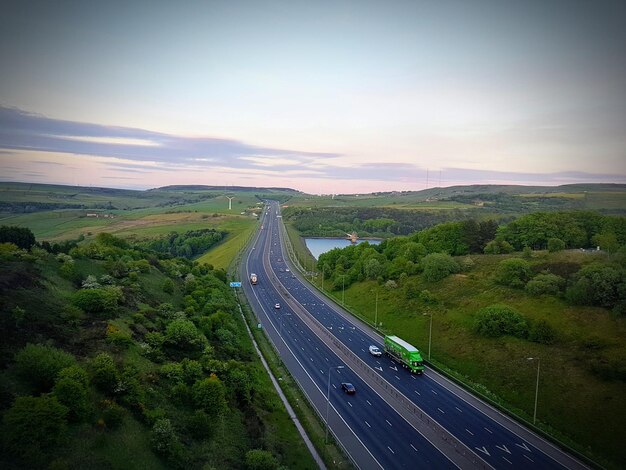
(253, 279)
(407, 355)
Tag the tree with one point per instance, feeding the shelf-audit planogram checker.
(39, 364)
(33, 425)
(438, 266)
(513, 272)
(20, 236)
(99, 301)
(555, 244)
(597, 284)
(499, 320)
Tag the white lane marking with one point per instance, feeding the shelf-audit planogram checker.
(378, 368)
(334, 386)
(362, 349)
(368, 402)
(311, 359)
(507, 460)
(524, 446)
(458, 409)
(483, 449)
(326, 359)
(413, 447)
(441, 411)
(503, 448)
(350, 404)
(434, 392)
(528, 458)
(488, 430)
(471, 433)
(397, 377)
(388, 423)
(390, 449)
(316, 348)
(417, 393)
(368, 424)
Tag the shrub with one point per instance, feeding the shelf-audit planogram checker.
(164, 439)
(438, 266)
(200, 425)
(168, 286)
(112, 414)
(542, 332)
(513, 272)
(104, 373)
(209, 394)
(499, 320)
(545, 284)
(74, 395)
(496, 247)
(39, 364)
(183, 334)
(258, 459)
(33, 425)
(102, 300)
(598, 285)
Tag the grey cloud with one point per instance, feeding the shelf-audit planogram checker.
(27, 131)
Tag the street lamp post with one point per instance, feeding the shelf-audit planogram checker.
(328, 398)
(376, 312)
(536, 386)
(430, 334)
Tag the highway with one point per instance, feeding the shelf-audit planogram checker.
(314, 336)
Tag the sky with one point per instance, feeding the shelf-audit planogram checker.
(322, 97)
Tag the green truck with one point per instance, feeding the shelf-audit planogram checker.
(409, 356)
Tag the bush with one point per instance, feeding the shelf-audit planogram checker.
(104, 373)
(73, 395)
(112, 414)
(209, 394)
(33, 425)
(541, 332)
(438, 266)
(183, 334)
(598, 285)
(39, 364)
(165, 441)
(550, 284)
(20, 236)
(103, 300)
(200, 425)
(499, 320)
(258, 459)
(513, 272)
(497, 247)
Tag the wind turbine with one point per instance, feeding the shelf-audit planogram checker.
(230, 202)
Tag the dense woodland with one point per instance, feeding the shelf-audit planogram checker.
(114, 356)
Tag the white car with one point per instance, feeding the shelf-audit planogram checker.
(375, 351)
(277, 306)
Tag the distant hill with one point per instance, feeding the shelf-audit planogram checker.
(200, 187)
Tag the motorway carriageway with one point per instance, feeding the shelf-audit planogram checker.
(497, 441)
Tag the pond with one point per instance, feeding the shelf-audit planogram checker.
(317, 246)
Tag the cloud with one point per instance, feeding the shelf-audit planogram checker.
(20, 130)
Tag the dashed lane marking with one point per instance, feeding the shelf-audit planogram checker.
(470, 432)
(441, 411)
(391, 450)
(507, 460)
(458, 409)
(368, 424)
(388, 423)
(413, 447)
(488, 430)
(528, 458)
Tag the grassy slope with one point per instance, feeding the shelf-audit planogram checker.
(571, 399)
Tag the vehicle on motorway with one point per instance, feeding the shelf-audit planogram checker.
(375, 351)
(277, 306)
(348, 388)
(253, 279)
(406, 354)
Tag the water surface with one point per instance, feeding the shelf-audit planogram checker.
(317, 246)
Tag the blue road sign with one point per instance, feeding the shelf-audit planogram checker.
(235, 284)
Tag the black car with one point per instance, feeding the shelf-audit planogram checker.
(348, 388)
